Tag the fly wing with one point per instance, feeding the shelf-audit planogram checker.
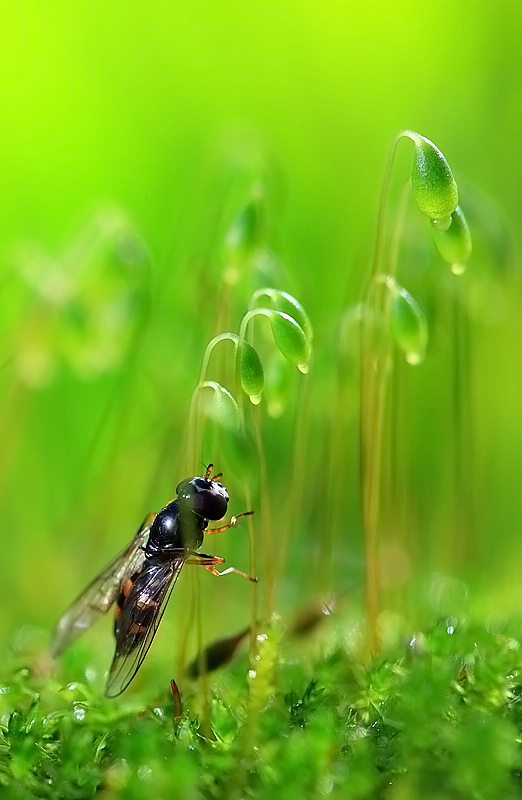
(140, 618)
(99, 596)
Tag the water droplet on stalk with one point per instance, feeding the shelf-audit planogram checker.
(458, 269)
(443, 223)
(413, 358)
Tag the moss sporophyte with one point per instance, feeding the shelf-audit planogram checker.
(392, 315)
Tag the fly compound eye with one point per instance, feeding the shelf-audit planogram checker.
(208, 499)
(214, 501)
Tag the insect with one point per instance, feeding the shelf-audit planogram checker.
(141, 578)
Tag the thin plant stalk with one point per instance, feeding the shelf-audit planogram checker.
(204, 688)
(375, 356)
(347, 374)
(297, 480)
(186, 629)
(254, 603)
(266, 516)
(194, 423)
(194, 448)
(253, 585)
(463, 494)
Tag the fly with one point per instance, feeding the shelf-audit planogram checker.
(140, 580)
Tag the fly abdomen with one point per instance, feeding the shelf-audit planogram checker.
(139, 602)
(124, 591)
(136, 621)
(143, 607)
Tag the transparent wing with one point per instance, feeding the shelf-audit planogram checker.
(140, 618)
(99, 596)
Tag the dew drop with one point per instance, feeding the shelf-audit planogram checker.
(328, 605)
(326, 784)
(79, 713)
(261, 637)
(144, 772)
(458, 269)
(90, 674)
(158, 712)
(255, 399)
(443, 223)
(414, 358)
(117, 775)
(252, 673)
(446, 595)
(304, 368)
(495, 624)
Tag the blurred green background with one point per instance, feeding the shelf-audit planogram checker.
(131, 135)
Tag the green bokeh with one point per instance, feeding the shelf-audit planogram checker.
(170, 112)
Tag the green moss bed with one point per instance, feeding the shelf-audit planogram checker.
(438, 715)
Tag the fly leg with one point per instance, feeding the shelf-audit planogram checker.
(204, 560)
(229, 524)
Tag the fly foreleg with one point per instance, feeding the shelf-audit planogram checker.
(230, 524)
(204, 560)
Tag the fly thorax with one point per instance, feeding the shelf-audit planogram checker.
(165, 532)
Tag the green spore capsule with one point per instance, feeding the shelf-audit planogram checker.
(290, 339)
(454, 244)
(244, 234)
(433, 183)
(282, 301)
(220, 406)
(216, 654)
(289, 305)
(278, 384)
(408, 325)
(251, 372)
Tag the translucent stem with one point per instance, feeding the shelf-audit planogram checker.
(194, 448)
(266, 516)
(463, 439)
(375, 362)
(297, 479)
(248, 494)
(194, 425)
(265, 292)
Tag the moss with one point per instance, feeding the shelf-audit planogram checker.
(440, 721)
